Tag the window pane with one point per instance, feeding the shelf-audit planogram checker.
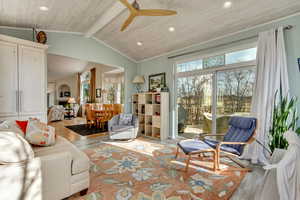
(214, 61)
(234, 95)
(194, 95)
(241, 56)
(189, 66)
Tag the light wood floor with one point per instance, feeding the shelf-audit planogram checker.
(61, 130)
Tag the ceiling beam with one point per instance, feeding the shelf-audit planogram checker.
(106, 18)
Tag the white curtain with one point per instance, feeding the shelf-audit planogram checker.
(270, 76)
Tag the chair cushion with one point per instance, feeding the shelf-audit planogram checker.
(227, 148)
(242, 122)
(241, 130)
(121, 128)
(125, 119)
(124, 135)
(189, 146)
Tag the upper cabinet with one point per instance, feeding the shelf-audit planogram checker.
(8, 79)
(32, 88)
(23, 77)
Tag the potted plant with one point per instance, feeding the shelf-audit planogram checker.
(284, 117)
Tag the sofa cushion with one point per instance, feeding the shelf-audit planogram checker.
(125, 119)
(40, 134)
(11, 126)
(14, 148)
(121, 128)
(22, 125)
(80, 161)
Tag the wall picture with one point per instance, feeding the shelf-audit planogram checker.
(157, 81)
(98, 93)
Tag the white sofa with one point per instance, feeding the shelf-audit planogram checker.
(50, 173)
(65, 170)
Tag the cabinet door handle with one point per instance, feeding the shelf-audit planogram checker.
(17, 101)
(20, 104)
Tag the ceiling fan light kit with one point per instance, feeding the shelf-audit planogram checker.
(135, 10)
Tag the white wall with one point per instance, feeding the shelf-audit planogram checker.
(71, 81)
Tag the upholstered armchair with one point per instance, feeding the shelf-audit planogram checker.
(56, 113)
(123, 127)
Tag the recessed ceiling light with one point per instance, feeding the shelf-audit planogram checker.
(139, 43)
(44, 8)
(171, 29)
(227, 4)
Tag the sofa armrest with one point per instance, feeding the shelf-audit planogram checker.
(56, 175)
(112, 122)
(21, 180)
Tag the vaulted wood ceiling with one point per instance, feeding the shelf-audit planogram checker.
(197, 20)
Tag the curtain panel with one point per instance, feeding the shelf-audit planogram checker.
(93, 86)
(270, 76)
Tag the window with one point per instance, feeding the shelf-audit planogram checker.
(241, 56)
(113, 85)
(85, 87)
(212, 89)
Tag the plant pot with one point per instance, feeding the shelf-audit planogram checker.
(277, 155)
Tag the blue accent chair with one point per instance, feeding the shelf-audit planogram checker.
(241, 132)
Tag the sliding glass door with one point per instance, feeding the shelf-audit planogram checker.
(193, 103)
(234, 95)
(211, 90)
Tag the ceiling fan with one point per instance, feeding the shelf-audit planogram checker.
(135, 10)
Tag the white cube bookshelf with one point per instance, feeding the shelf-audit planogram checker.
(152, 109)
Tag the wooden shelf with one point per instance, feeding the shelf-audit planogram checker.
(152, 125)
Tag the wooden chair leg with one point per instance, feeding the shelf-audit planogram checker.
(217, 160)
(177, 152)
(187, 163)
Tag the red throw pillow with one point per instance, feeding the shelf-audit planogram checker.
(22, 125)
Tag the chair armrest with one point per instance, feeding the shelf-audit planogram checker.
(135, 121)
(112, 122)
(222, 143)
(202, 136)
(242, 143)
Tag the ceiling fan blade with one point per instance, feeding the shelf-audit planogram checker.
(128, 22)
(128, 5)
(155, 12)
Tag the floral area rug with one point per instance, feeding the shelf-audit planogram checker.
(147, 170)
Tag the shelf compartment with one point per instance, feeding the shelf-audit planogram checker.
(142, 130)
(142, 98)
(155, 132)
(148, 130)
(148, 99)
(156, 121)
(149, 109)
(148, 120)
(141, 109)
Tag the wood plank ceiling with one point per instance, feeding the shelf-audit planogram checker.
(197, 20)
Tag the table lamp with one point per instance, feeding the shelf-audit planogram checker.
(138, 80)
(71, 101)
